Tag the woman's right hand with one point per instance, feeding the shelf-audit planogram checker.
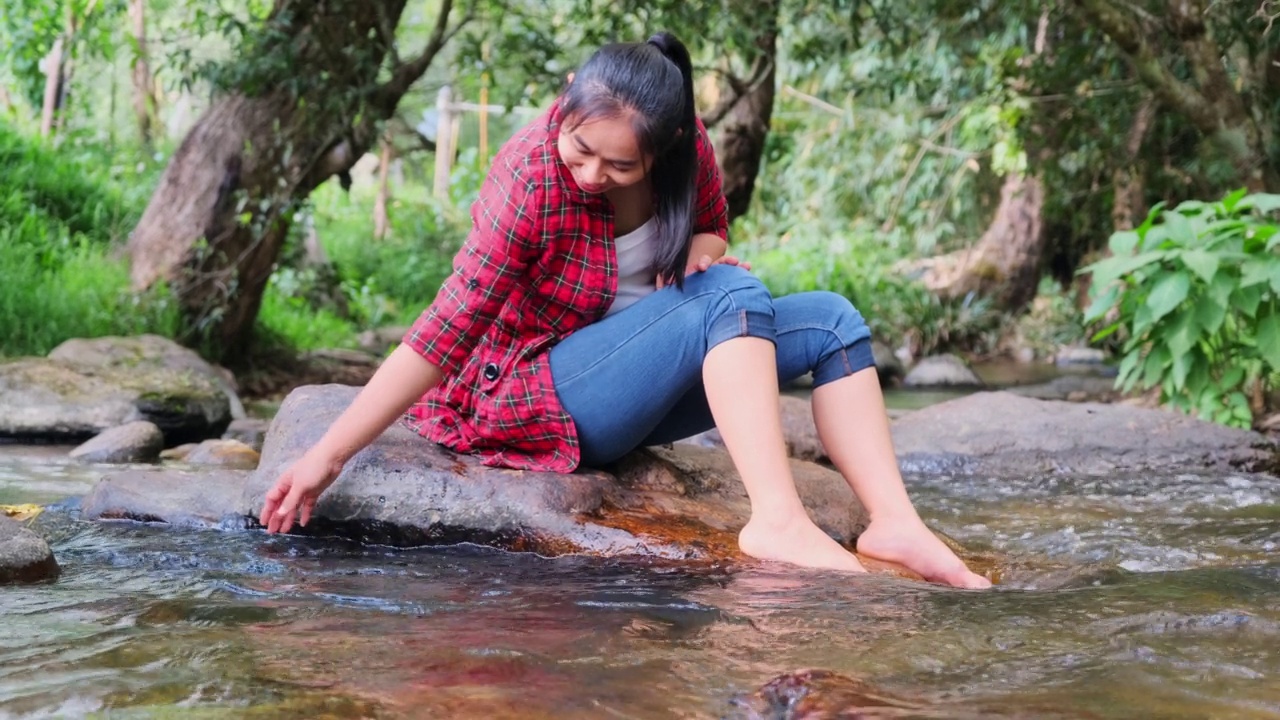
(298, 489)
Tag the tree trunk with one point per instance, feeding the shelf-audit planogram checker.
(222, 209)
(1005, 264)
(54, 65)
(745, 126)
(381, 217)
(144, 99)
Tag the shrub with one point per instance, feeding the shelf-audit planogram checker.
(1196, 292)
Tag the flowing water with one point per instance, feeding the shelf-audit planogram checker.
(1123, 597)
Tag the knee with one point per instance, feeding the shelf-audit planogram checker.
(846, 322)
(743, 289)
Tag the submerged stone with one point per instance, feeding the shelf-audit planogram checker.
(209, 498)
(24, 556)
(135, 442)
(231, 454)
(817, 695)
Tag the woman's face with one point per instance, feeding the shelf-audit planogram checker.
(603, 154)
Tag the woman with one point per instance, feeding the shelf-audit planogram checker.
(592, 310)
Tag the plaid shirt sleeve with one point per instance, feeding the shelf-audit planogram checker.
(711, 211)
(500, 246)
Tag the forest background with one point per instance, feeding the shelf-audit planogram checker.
(265, 179)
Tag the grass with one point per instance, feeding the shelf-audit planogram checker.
(61, 225)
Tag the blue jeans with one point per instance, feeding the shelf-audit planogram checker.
(635, 378)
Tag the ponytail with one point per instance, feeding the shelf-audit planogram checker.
(675, 172)
(653, 83)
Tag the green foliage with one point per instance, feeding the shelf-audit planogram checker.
(1198, 296)
(61, 273)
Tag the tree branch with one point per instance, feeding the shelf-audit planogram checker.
(404, 75)
(1131, 40)
(738, 89)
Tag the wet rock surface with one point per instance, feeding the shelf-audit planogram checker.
(51, 399)
(135, 442)
(231, 454)
(24, 556)
(250, 431)
(1072, 388)
(209, 498)
(1004, 433)
(685, 502)
(942, 371)
(819, 695)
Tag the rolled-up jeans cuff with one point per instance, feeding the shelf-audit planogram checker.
(844, 363)
(741, 323)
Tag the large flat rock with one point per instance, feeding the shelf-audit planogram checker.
(52, 399)
(1005, 433)
(685, 502)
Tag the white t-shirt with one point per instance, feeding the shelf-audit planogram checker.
(635, 265)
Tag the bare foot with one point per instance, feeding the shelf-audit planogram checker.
(911, 544)
(799, 542)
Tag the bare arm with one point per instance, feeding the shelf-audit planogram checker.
(401, 380)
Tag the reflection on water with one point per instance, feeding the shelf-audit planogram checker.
(1127, 596)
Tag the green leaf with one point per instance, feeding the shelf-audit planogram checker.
(1153, 368)
(1275, 277)
(1123, 242)
(1108, 270)
(1181, 367)
(1210, 314)
(1269, 340)
(1201, 263)
(1168, 293)
(1262, 202)
(1183, 333)
(1102, 303)
(1231, 200)
(1179, 228)
(1127, 366)
(1246, 299)
(1105, 332)
(1221, 289)
(1255, 271)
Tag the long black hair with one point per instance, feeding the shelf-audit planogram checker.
(653, 83)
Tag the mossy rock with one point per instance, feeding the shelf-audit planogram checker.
(49, 399)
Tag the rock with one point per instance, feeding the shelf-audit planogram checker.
(942, 371)
(230, 454)
(818, 694)
(250, 431)
(379, 340)
(685, 502)
(24, 556)
(178, 453)
(147, 352)
(1004, 433)
(208, 498)
(135, 442)
(888, 367)
(1067, 356)
(798, 430)
(1074, 388)
(52, 399)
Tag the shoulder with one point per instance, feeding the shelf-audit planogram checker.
(525, 163)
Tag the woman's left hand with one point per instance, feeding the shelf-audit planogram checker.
(705, 262)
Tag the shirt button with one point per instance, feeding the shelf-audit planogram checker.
(490, 372)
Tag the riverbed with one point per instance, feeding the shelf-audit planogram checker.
(1122, 596)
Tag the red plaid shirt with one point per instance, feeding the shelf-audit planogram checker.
(538, 264)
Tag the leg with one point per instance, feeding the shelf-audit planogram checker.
(620, 377)
(848, 409)
(854, 428)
